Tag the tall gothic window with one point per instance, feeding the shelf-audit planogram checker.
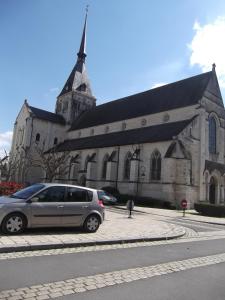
(104, 166)
(127, 166)
(212, 135)
(155, 165)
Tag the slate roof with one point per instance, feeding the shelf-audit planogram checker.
(46, 115)
(179, 94)
(172, 149)
(151, 134)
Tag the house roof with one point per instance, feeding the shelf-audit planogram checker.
(46, 115)
(179, 94)
(151, 134)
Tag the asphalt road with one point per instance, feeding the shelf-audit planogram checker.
(187, 280)
(207, 284)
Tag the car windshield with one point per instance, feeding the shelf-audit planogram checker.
(28, 192)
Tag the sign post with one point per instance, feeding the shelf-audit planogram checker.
(184, 206)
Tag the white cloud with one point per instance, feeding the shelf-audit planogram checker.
(158, 84)
(208, 47)
(51, 92)
(54, 89)
(5, 142)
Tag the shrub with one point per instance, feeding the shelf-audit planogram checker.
(8, 188)
(211, 210)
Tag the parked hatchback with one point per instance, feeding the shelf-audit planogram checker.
(51, 205)
(107, 198)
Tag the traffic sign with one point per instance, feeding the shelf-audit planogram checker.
(184, 203)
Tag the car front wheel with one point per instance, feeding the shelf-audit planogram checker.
(92, 223)
(14, 223)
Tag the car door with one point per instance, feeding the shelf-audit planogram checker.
(77, 205)
(47, 207)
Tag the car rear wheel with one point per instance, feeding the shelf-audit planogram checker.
(92, 223)
(14, 223)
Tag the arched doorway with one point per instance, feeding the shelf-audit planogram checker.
(212, 190)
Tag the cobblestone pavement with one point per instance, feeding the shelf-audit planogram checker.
(185, 239)
(70, 286)
(141, 226)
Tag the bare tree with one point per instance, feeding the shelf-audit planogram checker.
(9, 166)
(55, 164)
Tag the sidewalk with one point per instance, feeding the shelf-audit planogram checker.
(117, 228)
(189, 215)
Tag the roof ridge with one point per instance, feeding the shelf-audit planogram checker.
(159, 87)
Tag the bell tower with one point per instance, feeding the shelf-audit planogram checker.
(76, 95)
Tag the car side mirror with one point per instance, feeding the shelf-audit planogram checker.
(34, 199)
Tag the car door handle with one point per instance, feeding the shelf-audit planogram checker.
(60, 206)
(85, 206)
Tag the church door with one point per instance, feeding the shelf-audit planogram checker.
(212, 191)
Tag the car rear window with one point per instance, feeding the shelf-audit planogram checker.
(78, 195)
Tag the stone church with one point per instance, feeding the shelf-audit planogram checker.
(167, 143)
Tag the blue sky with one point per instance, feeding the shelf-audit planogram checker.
(131, 47)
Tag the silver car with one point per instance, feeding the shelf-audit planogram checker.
(51, 205)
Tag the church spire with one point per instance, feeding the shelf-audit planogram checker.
(82, 52)
(78, 80)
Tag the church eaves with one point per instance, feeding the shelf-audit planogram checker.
(175, 95)
(78, 79)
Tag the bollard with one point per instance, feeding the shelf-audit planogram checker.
(130, 207)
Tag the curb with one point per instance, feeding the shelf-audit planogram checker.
(21, 248)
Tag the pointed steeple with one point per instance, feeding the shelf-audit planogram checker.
(78, 79)
(82, 52)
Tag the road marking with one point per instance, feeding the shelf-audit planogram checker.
(37, 253)
(86, 283)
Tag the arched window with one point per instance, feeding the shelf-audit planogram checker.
(212, 135)
(37, 137)
(55, 141)
(104, 166)
(127, 166)
(155, 165)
